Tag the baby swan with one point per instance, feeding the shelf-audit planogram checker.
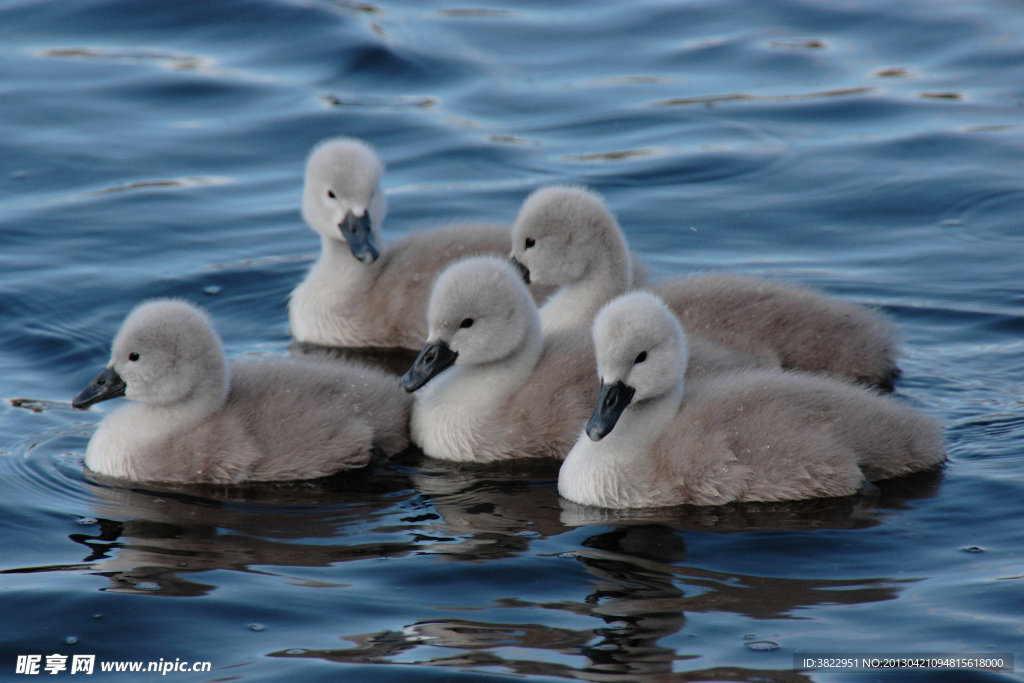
(566, 236)
(271, 420)
(488, 385)
(750, 435)
(358, 294)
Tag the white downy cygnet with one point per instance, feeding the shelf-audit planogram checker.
(750, 435)
(359, 294)
(488, 385)
(491, 386)
(565, 236)
(193, 421)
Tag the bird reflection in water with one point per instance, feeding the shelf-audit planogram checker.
(150, 540)
(640, 587)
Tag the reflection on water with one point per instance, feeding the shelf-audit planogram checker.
(169, 541)
(641, 591)
(156, 541)
(641, 588)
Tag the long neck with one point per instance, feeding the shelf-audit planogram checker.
(337, 268)
(316, 311)
(608, 274)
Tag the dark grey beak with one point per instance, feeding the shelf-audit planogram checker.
(433, 359)
(359, 235)
(523, 270)
(106, 386)
(613, 400)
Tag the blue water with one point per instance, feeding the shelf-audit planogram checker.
(872, 149)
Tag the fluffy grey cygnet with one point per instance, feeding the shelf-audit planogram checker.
(193, 421)
(490, 385)
(565, 236)
(359, 294)
(750, 435)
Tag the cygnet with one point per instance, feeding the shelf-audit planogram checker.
(565, 236)
(751, 435)
(194, 422)
(490, 385)
(359, 294)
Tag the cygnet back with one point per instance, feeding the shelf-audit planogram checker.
(270, 420)
(795, 327)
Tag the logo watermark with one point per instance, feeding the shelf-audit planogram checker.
(30, 665)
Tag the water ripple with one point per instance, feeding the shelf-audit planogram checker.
(738, 97)
(172, 61)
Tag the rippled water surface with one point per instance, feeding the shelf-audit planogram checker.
(872, 149)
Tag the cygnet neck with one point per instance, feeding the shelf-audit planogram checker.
(643, 422)
(337, 263)
(483, 385)
(208, 395)
(511, 371)
(608, 274)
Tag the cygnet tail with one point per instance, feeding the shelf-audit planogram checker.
(911, 442)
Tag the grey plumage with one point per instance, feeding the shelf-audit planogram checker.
(360, 293)
(511, 391)
(566, 236)
(748, 435)
(268, 420)
(795, 327)
(508, 393)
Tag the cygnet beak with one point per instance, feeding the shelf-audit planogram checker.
(613, 400)
(524, 272)
(358, 232)
(108, 384)
(433, 359)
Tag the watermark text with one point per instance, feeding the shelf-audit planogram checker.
(30, 665)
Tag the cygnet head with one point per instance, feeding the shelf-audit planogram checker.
(166, 352)
(342, 198)
(480, 312)
(561, 232)
(641, 355)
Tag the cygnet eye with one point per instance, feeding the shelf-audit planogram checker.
(468, 322)
(640, 358)
(530, 242)
(133, 356)
(330, 193)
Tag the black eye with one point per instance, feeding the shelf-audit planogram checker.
(530, 242)
(468, 322)
(133, 356)
(641, 358)
(330, 193)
